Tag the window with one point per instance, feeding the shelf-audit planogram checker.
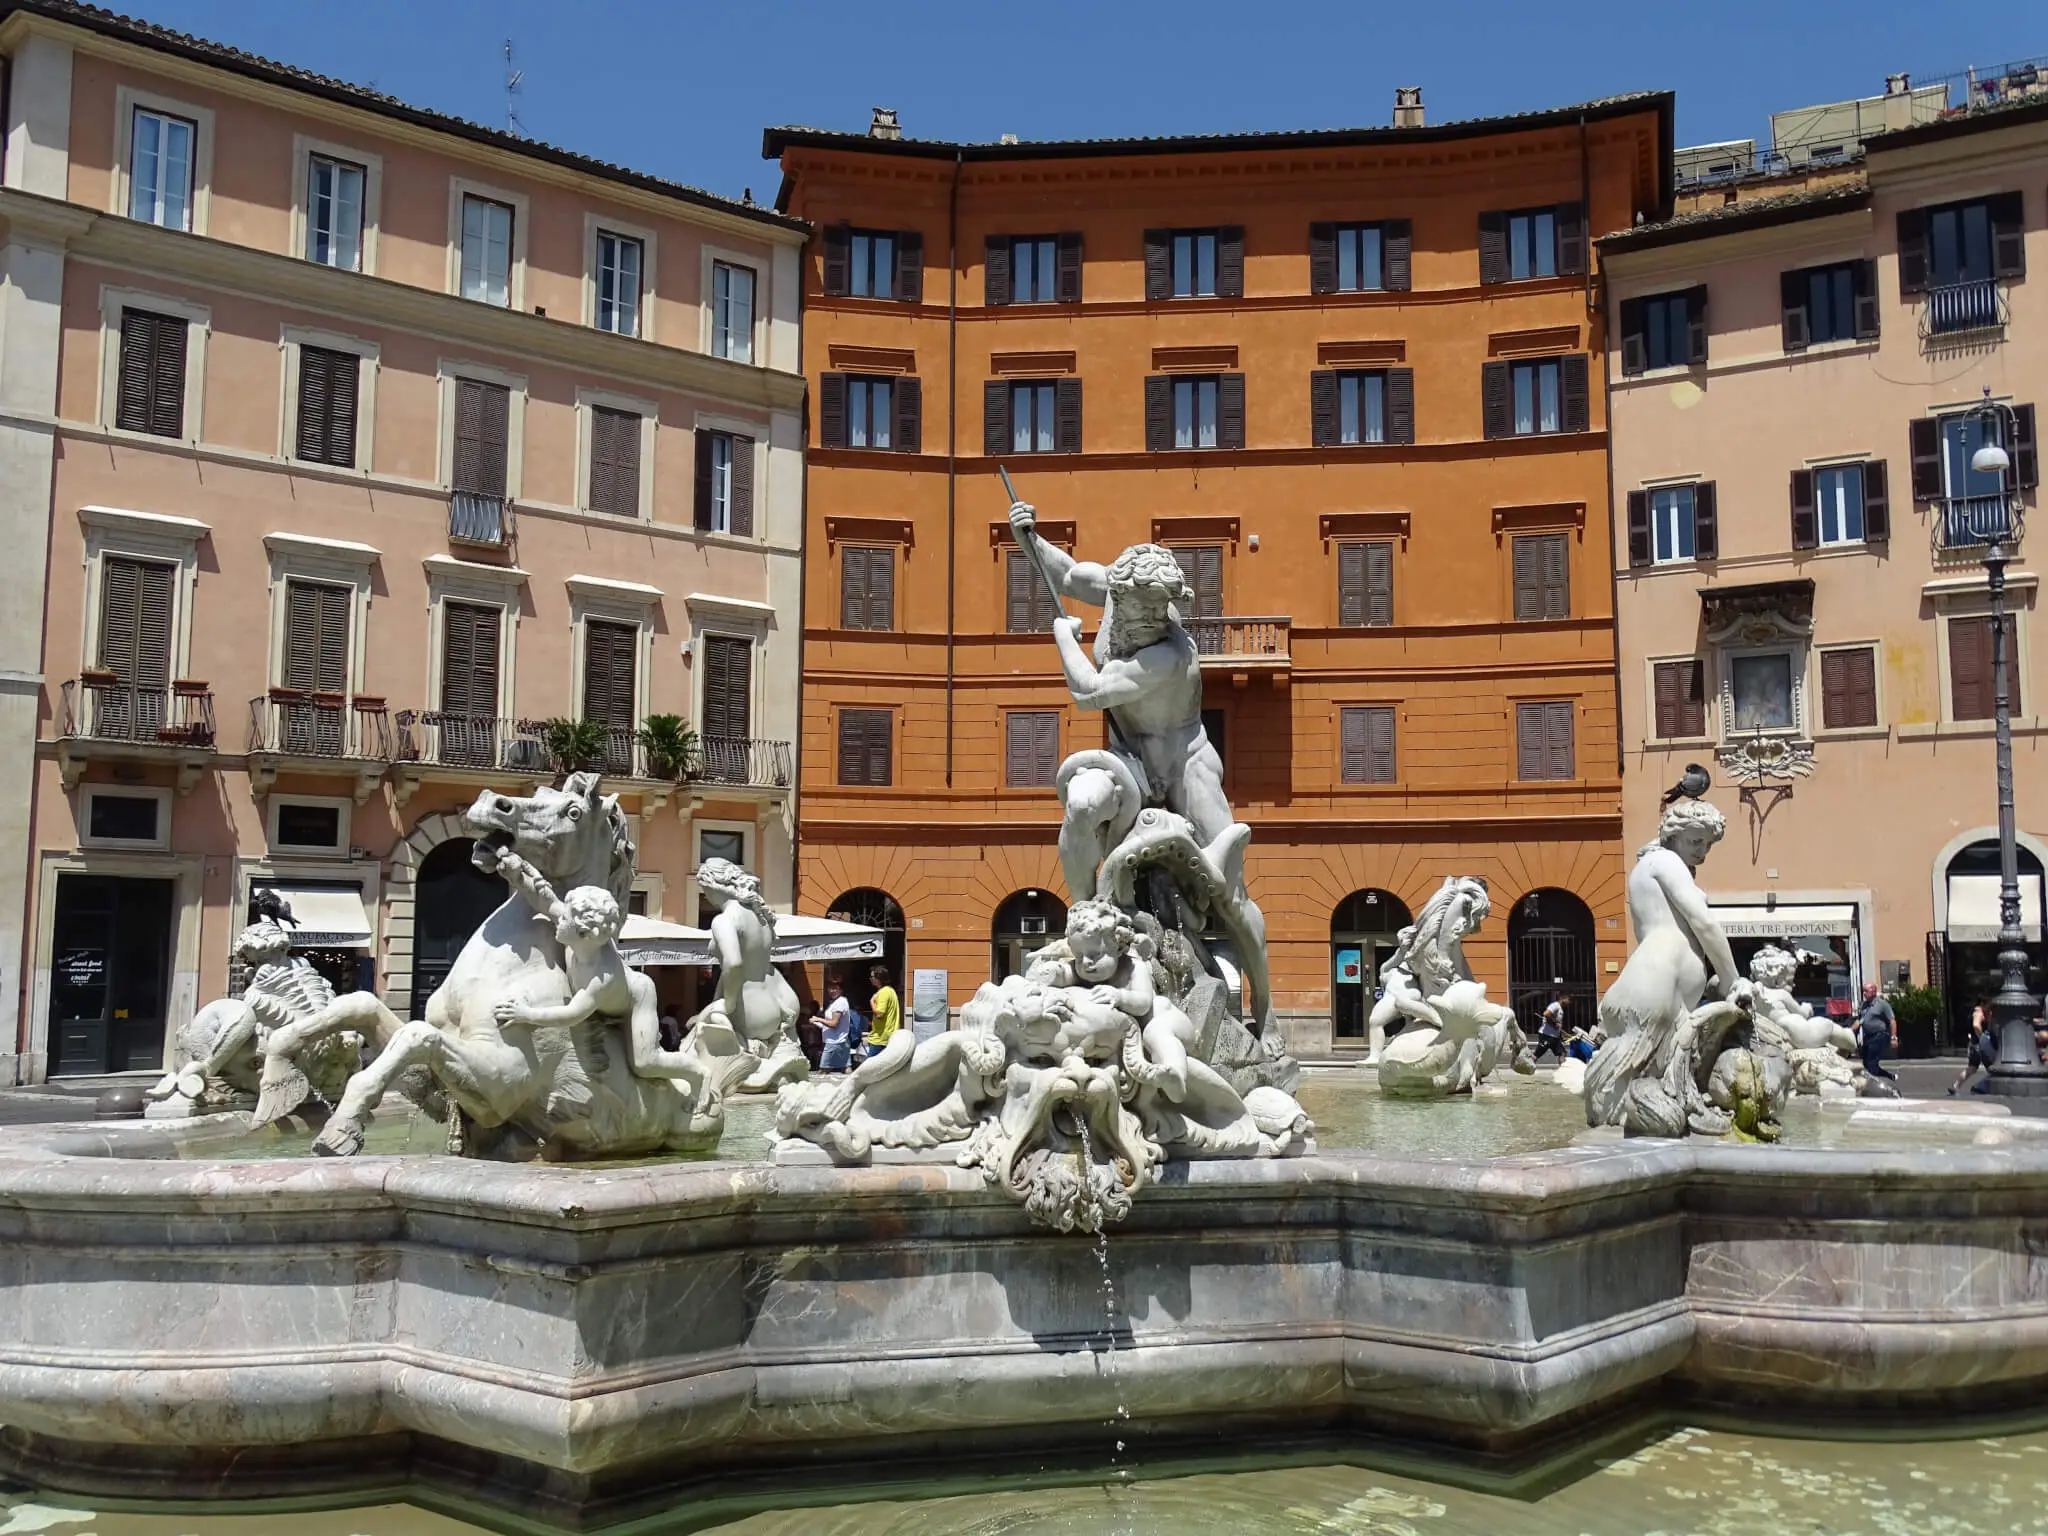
(868, 413)
(1194, 413)
(1365, 584)
(728, 707)
(1033, 269)
(1032, 755)
(1543, 741)
(1959, 243)
(316, 637)
(867, 588)
(470, 634)
(1961, 437)
(328, 386)
(1034, 274)
(1362, 407)
(1848, 688)
(615, 461)
(610, 694)
(1359, 266)
(1542, 567)
(1358, 258)
(1532, 244)
(150, 393)
(140, 817)
(1368, 745)
(1973, 680)
(1194, 263)
(732, 312)
(160, 169)
(486, 251)
(307, 826)
(859, 411)
(714, 843)
(1832, 303)
(1956, 253)
(1840, 504)
(1679, 688)
(1673, 524)
(1667, 330)
(1523, 399)
(725, 483)
(874, 266)
(864, 747)
(1028, 605)
(874, 263)
(1522, 244)
(618, 280)
(1031, 416)
(1760, 693)
(334, 213)
(1536, 398)
(483, 414)
(1201, 566)
(1032, 428)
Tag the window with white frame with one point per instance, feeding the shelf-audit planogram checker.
(486, 251)
(1838, 503)
(721, 446)
(160, 160)
(334, 213)
(309, 824)
(732, 312)
(618, 283)
(112, 816)
(729, 843)
(1672, 524)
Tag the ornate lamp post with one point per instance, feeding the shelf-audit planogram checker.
(2019, 1072)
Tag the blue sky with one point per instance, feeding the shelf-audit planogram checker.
(683, 88)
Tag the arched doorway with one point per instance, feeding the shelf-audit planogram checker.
(1023, 924)
(1363, 931)
(871, 908)
(1968, 938)
(1550, 949)
(453, 897)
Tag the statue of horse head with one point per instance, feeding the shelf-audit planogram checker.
(572, 835)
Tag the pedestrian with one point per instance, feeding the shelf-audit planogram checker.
(1877, 1026)
(836, 1025)
(886, 1012)
(1550, 1029)
(1983, 1050)
(671, 1031)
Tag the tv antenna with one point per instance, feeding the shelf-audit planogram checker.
(513, 79)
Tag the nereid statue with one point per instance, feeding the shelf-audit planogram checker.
(1454, 1036)
(746, 1035)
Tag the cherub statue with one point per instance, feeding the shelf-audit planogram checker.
(1099, 984)
(1819, 1051)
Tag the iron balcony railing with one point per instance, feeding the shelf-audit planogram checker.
(443, 739)
(744, 760)
(296, 722)
(476, 518)
(98, 706)
(1975, 520)
(1963, 309)
(1255, 640)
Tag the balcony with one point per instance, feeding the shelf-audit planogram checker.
(1252, 643)
(105, 719)
(1963, 311)
(1972, 521)
(302, 731)
(481, 520)
(744, 761)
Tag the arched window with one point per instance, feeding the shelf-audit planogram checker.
(1550, 950)
(871, 908)
(1363, 931)
(453, 899)
(1024, 923)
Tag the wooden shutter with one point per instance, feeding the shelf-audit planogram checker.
(482, 432)
(1020, 738)
(995, 416)
(1158, 413)
(864, 747)
(1230, 410)
(1696, 324)
(1794, 322)
(1493, 247)
(701, 492)
(615, 462)
(469, 659)
(1681, 702)
(832, 410)
(1557, 575)
(1574, 396)
(1912, 251)
(910, 267)
(1322, 258)
(1923, 452)
(1805, 520)
(1560, 757)
(1400, 398)
(2025, 471)
(1848, 689)
(1396, 242)
(1020, 585)
(327, 406)
(608, 667)
(150, 396)
(1380, 745)
(853, 587)
(996, 286)
(1068, 248)
(1351, 590)
(1706, 523)
(1230, 262)
(2008, 235)
(1969, 669)
(1325, 424)
(1877, 506)
(1493, 400)
(728, 687)
(1635, 356)
(1863, 279)
(1529, 752)
(1528, 570)
(1158, 263)
(1356, 747)
(1031, 748)
(1066, 415)
(1379, 584)
(1571, 239)
(838, 263)
(135, 621)
(311, 444)
(1640, 552)
(739, 512)
(316, 624)
(908, 428)
(1202, 565)
(881, 584)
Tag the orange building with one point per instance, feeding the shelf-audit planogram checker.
(1351, 378)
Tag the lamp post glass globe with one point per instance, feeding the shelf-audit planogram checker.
(1990, 460)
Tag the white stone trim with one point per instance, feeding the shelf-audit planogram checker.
(304, 147)
(490, 582)
(126, 99)
(591, 601)
(603, 589)
(199, 321)
(484, 586)
(1970, 598)
(343, 829)
(450, 369)
(172, 541)
(291, 339)
(346, 551)
(460, 187)
(161, 794)
(1708, 696)
(649, 412)
(38, 146)
(395, 973)
(743, 610)
(1820, 729)
(709, 258)
(1955, 845)
(650, 250)
(1797, 651)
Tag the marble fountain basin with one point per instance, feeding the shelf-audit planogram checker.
(579, 1344)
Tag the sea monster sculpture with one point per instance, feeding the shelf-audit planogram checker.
(1454, 1036)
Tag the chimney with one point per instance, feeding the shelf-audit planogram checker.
(1407, 106)
(1898, 85)
(883, 124)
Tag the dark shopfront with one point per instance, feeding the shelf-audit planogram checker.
(1962, 955)
(110, 973)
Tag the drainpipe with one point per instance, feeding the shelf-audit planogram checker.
(1607, 406)
(952, 432)
(1586, 206)
(803, 596)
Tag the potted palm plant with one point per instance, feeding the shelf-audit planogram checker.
(573, 746)
(670, 747)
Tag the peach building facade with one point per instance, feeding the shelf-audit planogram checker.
(1800, 536)
(343, 446)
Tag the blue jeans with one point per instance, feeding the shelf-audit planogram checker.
(1873, 1056)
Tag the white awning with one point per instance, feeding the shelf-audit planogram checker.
(328, 916)
(1787, 920)
(1973, 908)
(650, 941)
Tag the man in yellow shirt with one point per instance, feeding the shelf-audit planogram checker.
(885, 1011)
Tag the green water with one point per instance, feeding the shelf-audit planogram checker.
(1690, 1482)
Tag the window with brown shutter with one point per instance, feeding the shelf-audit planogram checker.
(1923, 454)
(469, 683)
(614, 461)
(1365, 585)
(1641, 551)
(1848, 688)
(1681, 696)
(1542, 566)
(1368, 745)
(1973, 682)
(909, 429)
(316, 626)
(150, 392)
(1543, 741)
(865, 756)
(610, 655)
(724, 491)
(1202, 565)
(483, 415)
(1032, 748)
(328, 386)
(832, 410)
(1069, 257)
(867, 587)
(1028, 606)
(728, 688)
(135, 621)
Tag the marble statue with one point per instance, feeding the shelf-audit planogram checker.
(746, 1035)
(1453, 1037)
(1116, 1050)
(1662, 1070)
(498, 1042)
(1820, 1054)
(223, 1050)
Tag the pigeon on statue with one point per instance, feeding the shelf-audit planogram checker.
(1692, 784)
(267, 902)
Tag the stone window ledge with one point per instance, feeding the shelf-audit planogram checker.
(1967, 730)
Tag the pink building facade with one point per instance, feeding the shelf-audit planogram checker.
(1800, 538)
(342, 447)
